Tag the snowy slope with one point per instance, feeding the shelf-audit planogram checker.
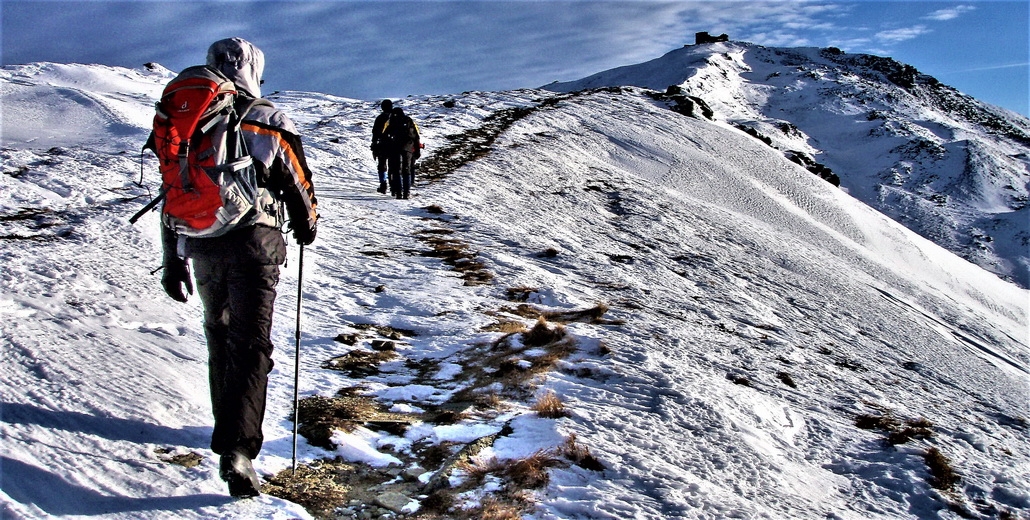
(728, 270)
(947, 166)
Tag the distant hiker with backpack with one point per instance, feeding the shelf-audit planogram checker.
(227, 174)
(404, 144)
(380, 148)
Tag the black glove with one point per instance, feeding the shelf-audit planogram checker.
(177, 274)
(304, 234)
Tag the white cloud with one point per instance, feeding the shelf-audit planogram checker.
(951, 13)
(1019, 65)
(902, 34)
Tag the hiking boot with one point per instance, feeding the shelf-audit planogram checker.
(236, 470)
(406, 195)
(382, 187)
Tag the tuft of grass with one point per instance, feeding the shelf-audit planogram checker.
(913, 429)
(186, 460)
(593, 315)
(519, 294)
(541, 334)
(943, 475)
(850, 364)
(531, 472)
(477, 470)
(456, 254)
(526, 473)
(550, 406)
(493, 509)
(439, 502)
(318, 486)
(445, 417)
(739, 379)
(506, 326)
(386, 331)
(786, 379)
(359, 363)
(321, 416)
(897, 432)
(435, 231)
(874, 422)
(580, 455)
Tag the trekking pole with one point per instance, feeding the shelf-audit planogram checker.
(296, 361)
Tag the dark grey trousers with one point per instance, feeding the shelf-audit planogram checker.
(238, 295)
(401, 172)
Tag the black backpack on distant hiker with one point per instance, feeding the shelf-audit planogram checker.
(401, 132)
(208, 180)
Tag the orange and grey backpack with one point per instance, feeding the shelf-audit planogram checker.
(208, 179)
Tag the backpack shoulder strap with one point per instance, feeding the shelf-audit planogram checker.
(246, 103)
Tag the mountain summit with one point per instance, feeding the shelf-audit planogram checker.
(949, 167)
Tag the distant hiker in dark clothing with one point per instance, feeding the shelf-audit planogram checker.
(237, 272)
(402, 134)
(379, 153)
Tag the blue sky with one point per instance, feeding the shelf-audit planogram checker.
(370, 50)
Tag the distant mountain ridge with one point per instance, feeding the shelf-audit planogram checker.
(952, 168)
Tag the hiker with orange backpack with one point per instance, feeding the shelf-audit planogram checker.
(244, 147)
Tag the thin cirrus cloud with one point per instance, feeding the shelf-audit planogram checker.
(942, 15)
(902, 34)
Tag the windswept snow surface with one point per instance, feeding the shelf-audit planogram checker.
(949, 167)
(728, 270)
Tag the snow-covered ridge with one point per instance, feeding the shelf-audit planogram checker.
(759, 317)
(945, 165)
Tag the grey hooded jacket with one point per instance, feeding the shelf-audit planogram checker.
(274, 143)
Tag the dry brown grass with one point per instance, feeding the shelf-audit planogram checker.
(872, 422)
(531, 472)
(592, 315)
(507, 367)
(359, 363)
(541, 334)
(520, 294)
(319, 487)
(456, 254)
(477, 470)
(579, 455)
(494, 509)
(186, 460)
(943, 475)
(436, 231)
(321, 416)
(549, 405)
(526, 473)
(896, 431)
(506, 327)
(437, 503)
